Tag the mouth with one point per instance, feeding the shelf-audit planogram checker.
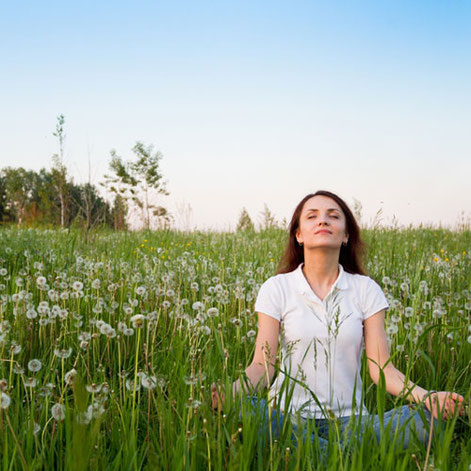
(323, 232)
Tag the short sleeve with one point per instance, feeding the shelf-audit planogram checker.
(374, 299)
(269, 300)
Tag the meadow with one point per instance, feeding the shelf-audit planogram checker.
(108, 349)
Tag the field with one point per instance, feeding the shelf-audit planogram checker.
(108, 349)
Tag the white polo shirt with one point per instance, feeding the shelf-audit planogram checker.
(321, 341)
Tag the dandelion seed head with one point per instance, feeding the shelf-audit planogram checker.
(58, 412)
(198, 306)
(84, 417)
(30, 382)
(213, 312)
(131, 385)
(63, 353)
(96, 283)
(34, 365)
(70, 377)
(392, 329)
(148, 382)
(93, 388)
(138, 320)
(15, 348)
(31, 313)
(4, 400)
(41, 281)
(96, 409)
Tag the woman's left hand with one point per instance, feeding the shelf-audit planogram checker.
(445, 403)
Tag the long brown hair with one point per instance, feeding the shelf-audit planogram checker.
(351, 256)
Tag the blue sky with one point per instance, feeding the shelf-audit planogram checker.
(250, 102)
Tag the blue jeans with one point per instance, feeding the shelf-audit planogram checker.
(400, 424)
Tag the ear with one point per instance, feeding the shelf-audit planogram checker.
(297, 237)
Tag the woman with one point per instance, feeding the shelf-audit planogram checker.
(329, 309)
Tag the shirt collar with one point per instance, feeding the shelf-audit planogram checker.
(305, 288)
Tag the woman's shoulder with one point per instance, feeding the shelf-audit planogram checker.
(282, 278)
(279, 281)
(363, 284)
(360, 279)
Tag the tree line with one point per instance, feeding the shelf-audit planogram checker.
(50, 197)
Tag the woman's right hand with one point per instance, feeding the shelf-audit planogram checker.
(217, 399)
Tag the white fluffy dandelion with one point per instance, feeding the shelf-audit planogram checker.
(96, 283)
(138, 320)
(34, 365)
(131, 385)
(77, 286)
(93, 388)
(148, 382)
(84, 418)
(41, 281)
(31, 313)
(213, 312)
(205, 329)
(392, 329)
(70, 377)
(30, 382)
(198, 306)
(63, 353)
(58, 412)
(4, 400)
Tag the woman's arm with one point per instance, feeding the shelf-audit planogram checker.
(260, 371)
(377, 353)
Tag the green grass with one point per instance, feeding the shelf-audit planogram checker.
(172, 426)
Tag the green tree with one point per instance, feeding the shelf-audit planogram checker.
(119, 212)
(88, 208)
(139, 182)
(18, 185)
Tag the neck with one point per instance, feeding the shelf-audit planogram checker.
(321, 267)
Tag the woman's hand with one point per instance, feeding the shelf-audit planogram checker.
(445, 403)
(217, 399)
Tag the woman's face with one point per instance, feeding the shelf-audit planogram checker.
(322, 224)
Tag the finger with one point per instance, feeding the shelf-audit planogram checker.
(457, 397)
